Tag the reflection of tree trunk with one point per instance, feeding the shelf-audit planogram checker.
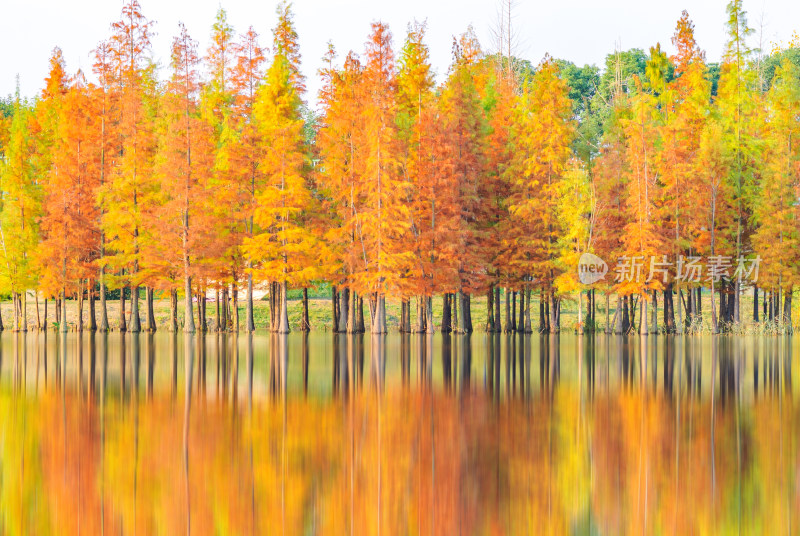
(189, 362)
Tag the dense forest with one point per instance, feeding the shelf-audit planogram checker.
(214, 176)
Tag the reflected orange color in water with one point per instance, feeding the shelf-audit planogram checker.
(397, 451)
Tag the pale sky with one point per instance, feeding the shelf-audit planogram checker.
(582, 31)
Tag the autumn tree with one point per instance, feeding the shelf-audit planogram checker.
(184, 164)
(462, 117)
(71, 238)
(285, 250)
(132, 173)
(685, 109)
(737, 104)
(541, 138)
(20, 205)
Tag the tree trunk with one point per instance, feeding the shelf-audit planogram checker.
(92, 308)
(528, 293)
(626, 319)
(79, 319)
(580, 315)
(251, 324)
(284, 322)
(521, 317)
(235, 298)
(643, 314)
(446, 316)
(403, 313)
(361, 326)
(507, 328)
(344, 303)
(306, 322)
(468, 313)
(654, 314)
(542, 316)
(151, 314)
(201, 299)
(352, 323)
(454, 309)
(498, 321)
(669, 309)
(136, 323)
(787, 311)
(104, 326)
(173, 309)
(334, 309)
(755, 304)
(44, 319)
(223, 320)
(513, 326)
(429, 314)
(63, 323)
(490, 309)
(698, 304)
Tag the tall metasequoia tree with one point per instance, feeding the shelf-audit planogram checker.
(218, 104)
(341, 145)
(641, 239)
(131, 177)
(610, 176)
(686, 107)
(70, 220)
(737, 106)
(103, 68)
(542, 133)
(245, 152)
(776, 211)
(383, 218)
(416, 122)
(462, 117)
(50, 152)
(184, 162)
(20, 204)
(285, 250)
(575, 212)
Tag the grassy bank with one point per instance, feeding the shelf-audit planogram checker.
(320, 312)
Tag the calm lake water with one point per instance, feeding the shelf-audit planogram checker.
(323, 434)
